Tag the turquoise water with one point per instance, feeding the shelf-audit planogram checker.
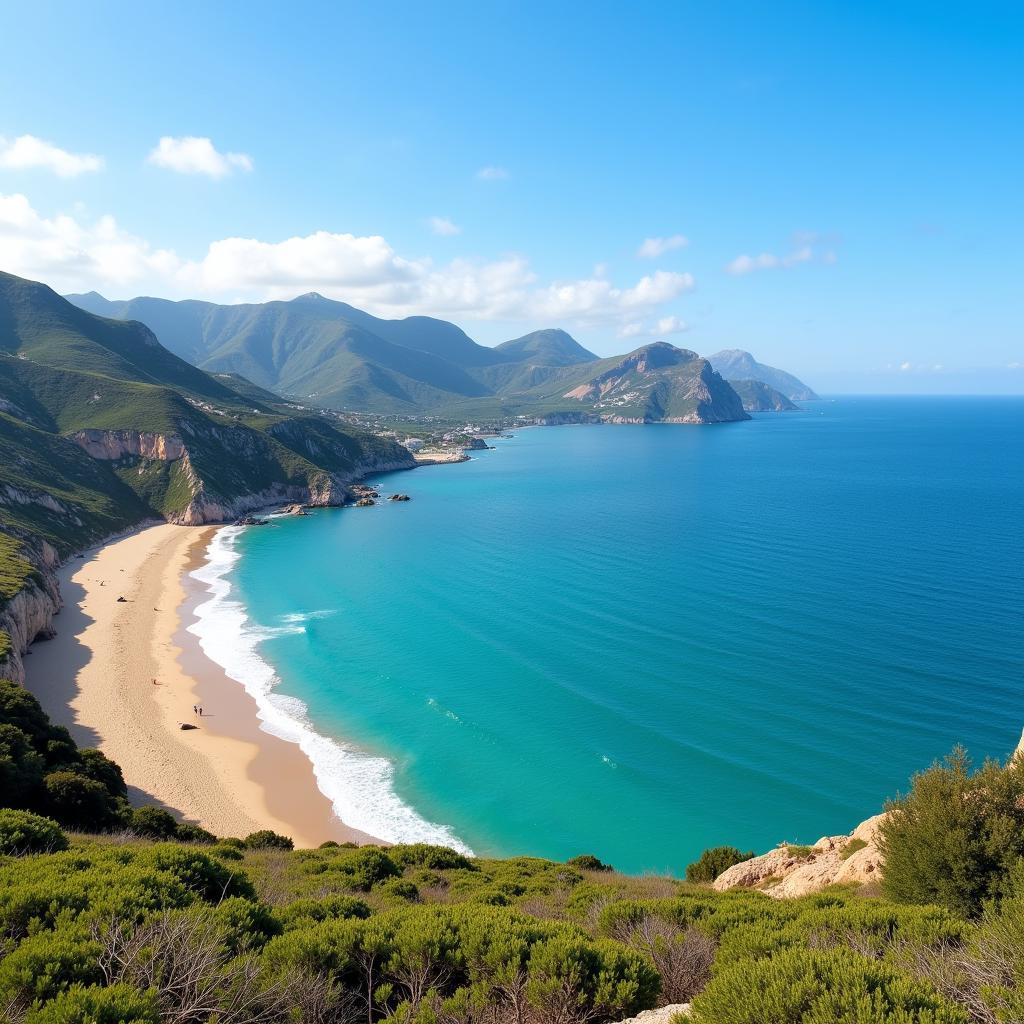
(642, 641)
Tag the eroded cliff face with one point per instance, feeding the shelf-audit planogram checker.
(206, 502)
(112, 445)
(28, 616)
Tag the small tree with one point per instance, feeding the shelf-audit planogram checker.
(153, 823)
(955, 836)
(714, 861)
(265, 839)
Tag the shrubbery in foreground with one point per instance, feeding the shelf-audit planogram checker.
(135, 927)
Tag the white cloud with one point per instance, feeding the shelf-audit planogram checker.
(443, 226)
(70, 254)
(670, 325)
(192, 154)
(67, 254)
(28, 152)
(652, 248)
(806, 249)
(662, 326)
(906, 366)
(492, 174)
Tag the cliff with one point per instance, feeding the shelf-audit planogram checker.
(28, 614)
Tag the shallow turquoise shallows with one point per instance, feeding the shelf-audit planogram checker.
(638, 642)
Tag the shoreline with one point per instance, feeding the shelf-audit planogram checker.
(95, 677)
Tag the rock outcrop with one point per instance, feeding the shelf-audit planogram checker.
(661, 1015)
(113, 445)
(790, 870)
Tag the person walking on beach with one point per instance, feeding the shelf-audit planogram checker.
(195, 709)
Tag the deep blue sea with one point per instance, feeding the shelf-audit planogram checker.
(642, 641)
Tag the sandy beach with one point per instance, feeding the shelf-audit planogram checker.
(123, 676)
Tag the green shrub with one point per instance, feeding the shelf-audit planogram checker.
(400, 888)
(364, 867)
(116, 1004)
(714, 861)
(81, 802)
(226, 852)
(800, 986)
(208, 878)
(94, 764)
(852, 847)
(795, 850)
(42, 966)
(189, 833)
(304, 912)
(265, 839)
(588, 862)
(22, 832)
(424, 855)
(954, 838)
(21, 768)
(153, 823)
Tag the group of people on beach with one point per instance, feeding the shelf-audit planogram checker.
(197, 709)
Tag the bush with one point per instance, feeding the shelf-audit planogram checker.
(400, 888)
(21, 768)
(44, 965)
(714, 861)
(94, 764)
(265, 839)
(588, 862)
(153, 823)
(852, 847)
(81, 802)
(955, 837)
(424, 855)
(190, 833)
(22, 832)
(302, 913)
(116, 1004)
(800, 986)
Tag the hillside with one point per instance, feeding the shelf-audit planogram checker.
(658, 383)
(735, 364)
(760, 397)
(102, 428)
(545, 348)
(326, 352)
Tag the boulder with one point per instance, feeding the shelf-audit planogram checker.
(783, 875)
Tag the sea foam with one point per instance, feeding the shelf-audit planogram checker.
(360, 786)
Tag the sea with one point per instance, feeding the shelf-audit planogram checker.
(642, 641)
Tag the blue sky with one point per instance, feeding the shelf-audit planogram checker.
(836, 187)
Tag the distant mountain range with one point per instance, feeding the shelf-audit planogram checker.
(330, 354)
(735, 364)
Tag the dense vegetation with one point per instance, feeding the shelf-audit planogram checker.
(111, 915)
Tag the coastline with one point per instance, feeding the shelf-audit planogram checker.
(95, 677)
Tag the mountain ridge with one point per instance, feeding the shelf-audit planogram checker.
(323, 351)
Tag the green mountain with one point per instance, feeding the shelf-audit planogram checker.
(735, 364)
(317, 350)
(760, 397)
(550, 347)
(658, 383)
